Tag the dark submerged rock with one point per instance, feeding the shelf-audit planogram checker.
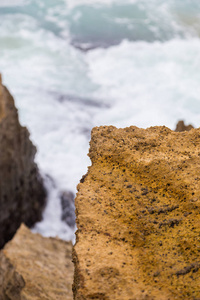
(68, 208)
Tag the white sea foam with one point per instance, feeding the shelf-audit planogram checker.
(158, 85)
(7, 3)
(52, 224)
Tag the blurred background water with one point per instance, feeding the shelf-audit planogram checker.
(75, 64)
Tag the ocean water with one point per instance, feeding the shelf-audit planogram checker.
(75, 64)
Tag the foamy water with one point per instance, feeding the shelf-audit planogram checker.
(143, 70)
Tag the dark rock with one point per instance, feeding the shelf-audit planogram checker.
(68, 208)
(180, 126)
(22, 195)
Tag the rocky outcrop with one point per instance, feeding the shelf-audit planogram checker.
(138, 216)
(34, 267)
(22, 195)
(180, 126)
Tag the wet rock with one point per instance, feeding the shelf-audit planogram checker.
(138, 216)
(180, 126)
(68, 208)
(22, 195)
(34, 267)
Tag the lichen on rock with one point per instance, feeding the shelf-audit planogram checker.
(138, 218)
(22, 194)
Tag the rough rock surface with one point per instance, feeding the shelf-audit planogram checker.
(138, 218)
(180, 126)
(35, 268)
(22, 195)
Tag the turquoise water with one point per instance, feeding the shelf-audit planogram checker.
(142, 69)
(100, 23)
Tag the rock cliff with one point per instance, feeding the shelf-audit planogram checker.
(138, 219)
(35, 268)
(22, 195)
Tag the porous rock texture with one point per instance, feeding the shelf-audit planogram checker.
(35, 268)
(138, 216)
(22, 195)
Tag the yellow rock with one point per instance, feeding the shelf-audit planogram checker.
(138, 216)
(35, 268)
